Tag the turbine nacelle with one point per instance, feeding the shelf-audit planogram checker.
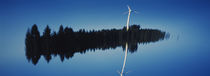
(129, 10)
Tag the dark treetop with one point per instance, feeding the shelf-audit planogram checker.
(67, 42)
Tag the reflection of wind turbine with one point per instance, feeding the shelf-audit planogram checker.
(126, 52)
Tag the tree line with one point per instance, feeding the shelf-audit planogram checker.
(66, 42)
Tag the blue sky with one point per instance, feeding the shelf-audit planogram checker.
(82, 13)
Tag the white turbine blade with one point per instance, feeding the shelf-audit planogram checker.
(125, 12)
(127, 72)
(129, 8)
(135, 12)
(118, 72)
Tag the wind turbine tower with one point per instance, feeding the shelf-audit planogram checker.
(129, 13)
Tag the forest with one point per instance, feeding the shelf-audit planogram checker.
(66, 42)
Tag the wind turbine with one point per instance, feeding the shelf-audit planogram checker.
(129, 13)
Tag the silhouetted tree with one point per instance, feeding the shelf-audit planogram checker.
(35, 32)
(47, 32)
(61, 31)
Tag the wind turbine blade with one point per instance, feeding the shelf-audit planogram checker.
(135, 12)
(118, 72)
(125, 12)
(127, 72)
(129, 7)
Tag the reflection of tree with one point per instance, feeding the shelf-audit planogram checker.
(67, 42)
